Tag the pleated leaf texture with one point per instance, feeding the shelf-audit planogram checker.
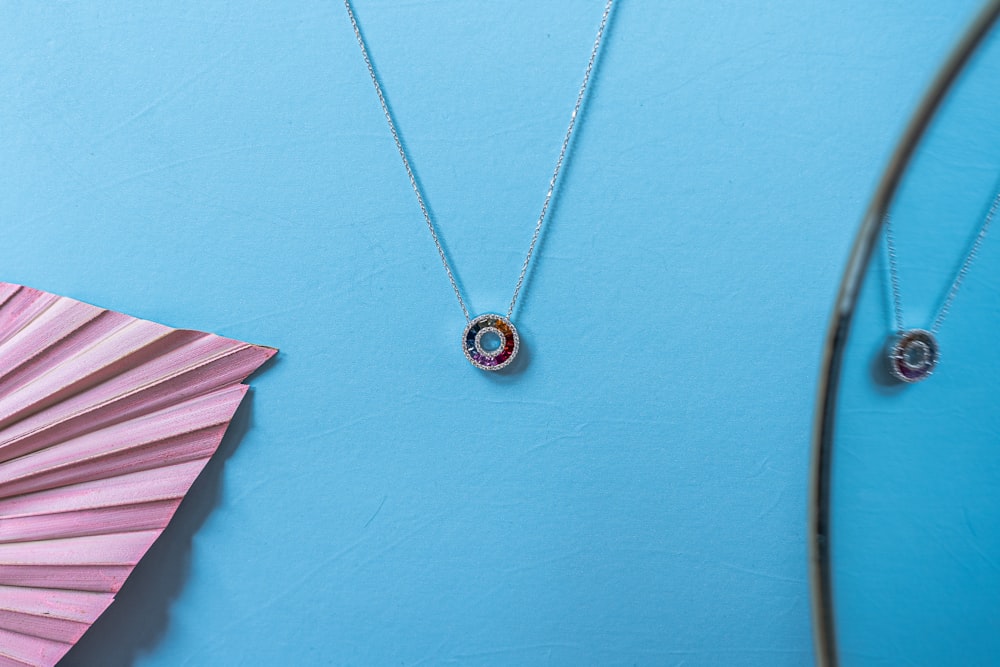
(105, 422)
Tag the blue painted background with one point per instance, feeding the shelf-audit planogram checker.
(916, 472)
(636, 495)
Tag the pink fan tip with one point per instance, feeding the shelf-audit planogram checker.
(105, 422)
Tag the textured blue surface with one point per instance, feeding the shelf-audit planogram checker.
(636, 494)
(916, 475)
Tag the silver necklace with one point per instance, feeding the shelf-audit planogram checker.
(493, 326)
(914, 353)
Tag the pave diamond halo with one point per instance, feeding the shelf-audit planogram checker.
(913, 355)
(496, 358)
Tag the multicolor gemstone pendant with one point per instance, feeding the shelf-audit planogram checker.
(913, 355)
(475, 340)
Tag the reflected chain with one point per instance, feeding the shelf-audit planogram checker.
(970, 257)
(897, 302)
(416, 186)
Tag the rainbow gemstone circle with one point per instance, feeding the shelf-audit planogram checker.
(913, 355)
(503, 354)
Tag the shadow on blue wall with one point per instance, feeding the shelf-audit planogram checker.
(138, 618)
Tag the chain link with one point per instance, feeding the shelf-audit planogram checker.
(897, 301)
(956, 283)
(416, 186)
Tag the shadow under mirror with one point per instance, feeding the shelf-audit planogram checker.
(906, 497)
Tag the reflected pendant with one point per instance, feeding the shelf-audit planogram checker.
(490, 342)
(913, 355)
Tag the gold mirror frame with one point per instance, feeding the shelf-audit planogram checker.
(824, 630)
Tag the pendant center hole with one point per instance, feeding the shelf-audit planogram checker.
(490, 341)
(916, 354)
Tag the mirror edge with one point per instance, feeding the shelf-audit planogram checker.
(824, 635)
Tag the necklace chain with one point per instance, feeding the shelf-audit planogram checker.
(963, 270)
(416, 186)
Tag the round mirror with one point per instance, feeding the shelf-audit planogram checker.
(905, 523)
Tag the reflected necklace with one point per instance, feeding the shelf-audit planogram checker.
(914, 353)
(492, 327)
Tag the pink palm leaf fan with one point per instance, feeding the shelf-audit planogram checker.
(105, 422)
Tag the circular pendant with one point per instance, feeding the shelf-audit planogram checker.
(913, 356)
(490, 342)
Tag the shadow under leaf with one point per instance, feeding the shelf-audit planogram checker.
(138, 618)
